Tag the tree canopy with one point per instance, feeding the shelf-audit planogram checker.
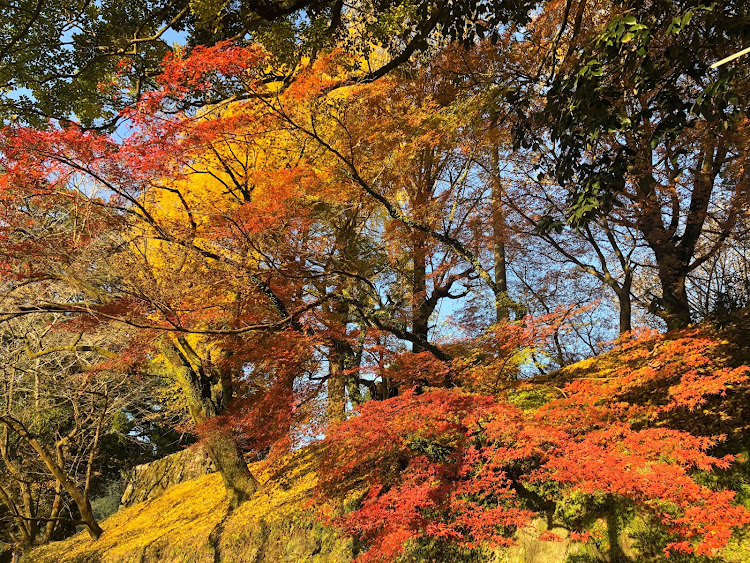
(389, 227)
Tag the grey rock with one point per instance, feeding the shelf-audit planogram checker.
(150, 480)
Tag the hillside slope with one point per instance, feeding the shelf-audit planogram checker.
(190, 523)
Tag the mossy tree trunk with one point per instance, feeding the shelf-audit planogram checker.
(239, 483)
(203, 404)
(614, 531)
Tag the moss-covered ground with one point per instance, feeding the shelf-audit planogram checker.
(189, 523)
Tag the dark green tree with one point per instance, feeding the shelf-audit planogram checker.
(637, 117)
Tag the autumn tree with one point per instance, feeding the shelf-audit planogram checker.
(467, 469)
(608, 248)
(61, 395)
(279, 230)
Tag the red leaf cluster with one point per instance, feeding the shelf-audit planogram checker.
(473, 469)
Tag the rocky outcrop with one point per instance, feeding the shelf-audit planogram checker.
(150, 480)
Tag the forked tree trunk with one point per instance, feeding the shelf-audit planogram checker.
(674, 252)
(239, 482)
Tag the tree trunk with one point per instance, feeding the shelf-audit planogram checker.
(87, 515)
(420, 318)
(340, 357)
(614, 530)
(675, 305)
(502, 311)
(626, 313)
(625, 303)
(420, 311)
(674, 253)
(336, 384)
(6, 499)
(239, 483)
(28, 508)
(672, 266)
(672, 263)
(57, 503)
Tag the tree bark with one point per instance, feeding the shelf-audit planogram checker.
(420, 316)
(6, 499)
(239, 483)
(674, 302)
(626, 313)
(337, 381)
(502, 311)
(675, 253)
(340, 353)
(49, 532)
